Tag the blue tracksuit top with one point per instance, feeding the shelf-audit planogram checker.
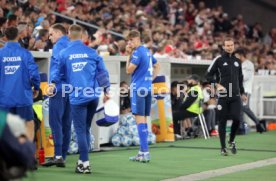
(80, 64)
(60, 45)
(18, 74)
(142, 75)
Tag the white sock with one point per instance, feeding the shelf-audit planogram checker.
(58, 157)
(141, 153)
(79, 162)
(86, 164)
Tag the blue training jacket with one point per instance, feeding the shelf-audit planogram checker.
(59, 45)
(81, 64)
(18, 74)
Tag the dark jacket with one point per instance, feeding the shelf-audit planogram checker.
(227, 71)
(177, 101)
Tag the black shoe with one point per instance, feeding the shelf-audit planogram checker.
(232, 146)
(260, 128)
(34, 166)
(60, 162)
(223, 152)
(51, 162)
(83, 170)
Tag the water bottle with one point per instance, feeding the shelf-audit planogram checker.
(41, 156)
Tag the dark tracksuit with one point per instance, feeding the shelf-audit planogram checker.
(226, 70)
(176, 102)
(59, 107)
(180, 107)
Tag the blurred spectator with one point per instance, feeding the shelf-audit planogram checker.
(41, 41)
(191, 30)
(16, 10)
(122, 47)
(44, 24)
(6, 6)
(169, 50)
(85, 37)
(210, 105)
(124, 98)
(2, 26)
(177, 97)
(1, 13)
(248, 78)
(256, 32)
(23, 35)
(113, 49)
(270, 38)
(12, 21)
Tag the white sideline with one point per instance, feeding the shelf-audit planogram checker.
(223, 171)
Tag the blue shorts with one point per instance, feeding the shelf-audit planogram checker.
(141, 103)
(25, 112)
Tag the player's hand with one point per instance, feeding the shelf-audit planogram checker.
(128, 50)
(35, 93)
(50, 91)
(244, 98)
(22, 139)
(220, 88)
(106, 97)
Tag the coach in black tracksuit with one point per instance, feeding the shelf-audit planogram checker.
(225, 71)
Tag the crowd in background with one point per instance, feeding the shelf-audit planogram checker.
(170, 28)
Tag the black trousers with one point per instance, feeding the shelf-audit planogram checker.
(180, 116)
(228, 108)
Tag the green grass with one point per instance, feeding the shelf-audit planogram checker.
(168, 160)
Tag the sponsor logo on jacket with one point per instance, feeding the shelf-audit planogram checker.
(75, 56)
(11, 69)
(11, 59)
(76, 67)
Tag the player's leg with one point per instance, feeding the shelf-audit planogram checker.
(138, 106)
(56, 111)
(79, 115)
(235, 108)
(27, 114)
(66, 126)
(147, 113)
(91, 109)
(222, 111)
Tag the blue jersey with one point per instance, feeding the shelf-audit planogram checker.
(18, 74)
(142, 75)
(60, 45)
(80, 64)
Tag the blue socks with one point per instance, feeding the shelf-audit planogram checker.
(143, 135)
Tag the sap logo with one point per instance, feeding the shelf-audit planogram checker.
(78, 66)
(11, 69)
(74, 56)
(11, 59)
